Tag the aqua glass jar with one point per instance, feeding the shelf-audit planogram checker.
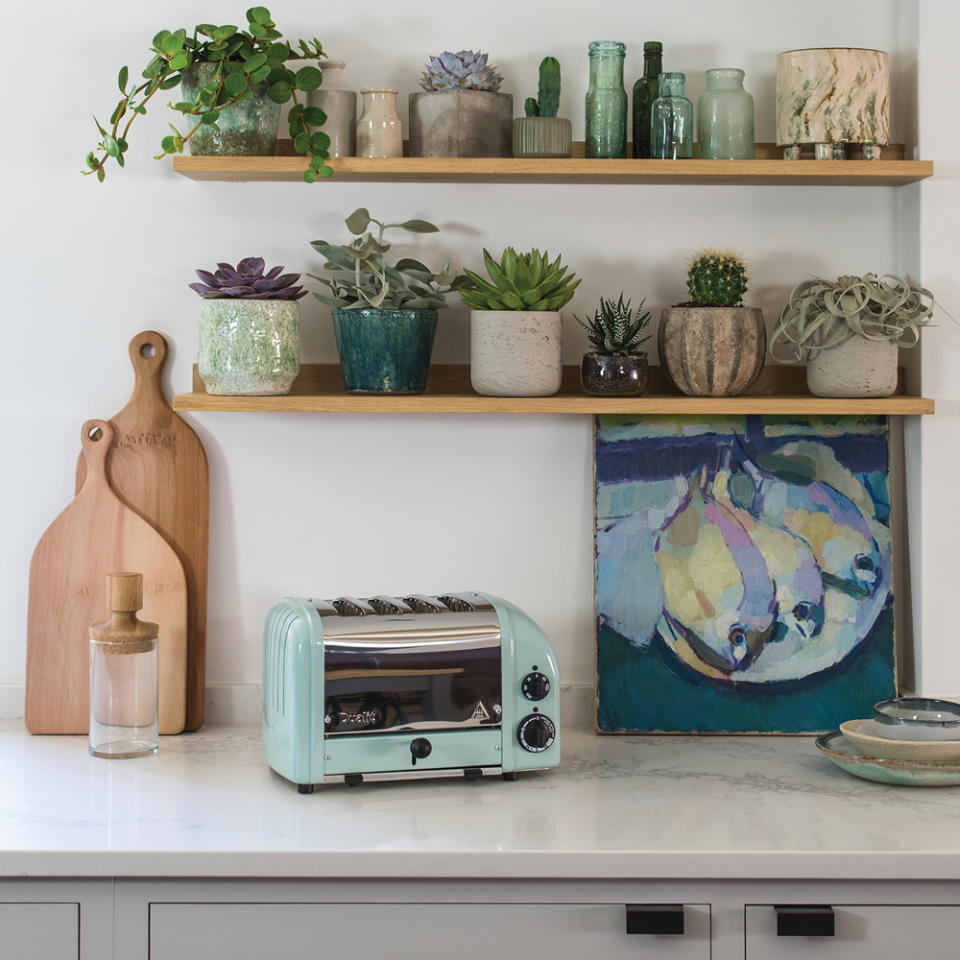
(725, 117)
(671, 120)
(606, 119)
(645, 91)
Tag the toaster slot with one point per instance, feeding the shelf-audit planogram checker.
(421, 603)
(389, 606)
(457, 602)
(352, 607)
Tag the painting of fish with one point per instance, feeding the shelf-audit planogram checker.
(744, 573)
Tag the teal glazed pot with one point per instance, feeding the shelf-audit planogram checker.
(385, 351)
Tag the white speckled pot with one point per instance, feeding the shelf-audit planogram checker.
(855, 368)
(515, 353)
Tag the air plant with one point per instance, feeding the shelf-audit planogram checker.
(247, 281)
(520, 281)
(613, 331)
(716, 278)
(466, 70)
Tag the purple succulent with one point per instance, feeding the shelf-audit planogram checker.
(247, 281)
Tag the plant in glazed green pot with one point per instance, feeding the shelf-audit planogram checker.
(617, 367)
(849, 331)
(234, 83)
(541, 133)
(713, 346)
(249, 329)
(515, 324)
(384, 317)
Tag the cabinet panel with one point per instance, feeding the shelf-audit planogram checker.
(39, 931)
(861, 932)
(292, 931)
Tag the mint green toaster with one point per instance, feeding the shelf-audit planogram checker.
(389, 687)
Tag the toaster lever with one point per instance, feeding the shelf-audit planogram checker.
(419, 748)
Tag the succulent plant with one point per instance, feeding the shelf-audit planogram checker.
(820, 314)
(613, 330)
(466, 70)
(717, 278)
(521, 281)
(361, 277)
(247, 281)
(548, 91)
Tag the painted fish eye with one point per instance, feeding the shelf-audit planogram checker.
(802, 610)
(862, 562)
(738, 636)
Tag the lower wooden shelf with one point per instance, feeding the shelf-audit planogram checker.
(319, 388)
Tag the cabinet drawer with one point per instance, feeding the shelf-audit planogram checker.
(39, 931)
(861, 932)
(467, 931)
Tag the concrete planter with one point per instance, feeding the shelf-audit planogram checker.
(712, 351)
(515, 353)
(855, 368)
(542, 137)
(461, 123)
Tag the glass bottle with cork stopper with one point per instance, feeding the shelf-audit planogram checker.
(123, 675)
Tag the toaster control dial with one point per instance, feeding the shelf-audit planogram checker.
(536, 733)
(535, 686)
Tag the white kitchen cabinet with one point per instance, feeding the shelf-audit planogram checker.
(39, 931)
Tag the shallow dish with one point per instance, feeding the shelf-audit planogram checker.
(916, 718)
(937, 751)
(847, 757)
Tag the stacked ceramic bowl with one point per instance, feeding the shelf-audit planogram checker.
(909, 740)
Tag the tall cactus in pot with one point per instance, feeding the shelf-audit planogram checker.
(541, 133)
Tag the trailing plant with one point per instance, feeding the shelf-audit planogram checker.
(247, 281)
(466, 70)
(242, 58)
(613, 330)
(548, 91)
(362, 278)
(820, 314)
(716, 278)
(520, 281)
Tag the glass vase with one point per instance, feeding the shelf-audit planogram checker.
(606, 106)
(725, 117)
(645, 91)
(671, 120)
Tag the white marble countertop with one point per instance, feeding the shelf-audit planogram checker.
(617, 808)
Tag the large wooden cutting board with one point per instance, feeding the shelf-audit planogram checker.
(94, 536)
(158, 467)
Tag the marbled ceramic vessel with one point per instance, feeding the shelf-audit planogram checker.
(855, 368)
(249, 347)
(516, 353)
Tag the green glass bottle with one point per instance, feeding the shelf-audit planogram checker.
(606, 117)
(645, 91)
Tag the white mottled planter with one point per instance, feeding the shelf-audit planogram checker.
(249, 347)
(855, 368)
(515, 353)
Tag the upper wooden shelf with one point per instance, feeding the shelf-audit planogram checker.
(768, 168)
(319, 388)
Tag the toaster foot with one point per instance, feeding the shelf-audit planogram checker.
(353, 779)
(305, 787)
(472, 773)
(513, 775)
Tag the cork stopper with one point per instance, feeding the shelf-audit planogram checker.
(123, 632)
(125, 592)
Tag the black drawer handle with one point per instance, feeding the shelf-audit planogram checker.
(655, 918)
(805, 921)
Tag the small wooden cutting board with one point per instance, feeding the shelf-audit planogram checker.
(94, 536)
(158, 467)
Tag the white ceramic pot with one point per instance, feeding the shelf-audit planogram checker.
(855, 368)
(515, 353)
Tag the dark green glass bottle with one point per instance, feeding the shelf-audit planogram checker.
(645, 91)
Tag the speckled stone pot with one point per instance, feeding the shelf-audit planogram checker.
(461, 123)
(855, 368)
(249, 347)
(608, 376)
(516, 353)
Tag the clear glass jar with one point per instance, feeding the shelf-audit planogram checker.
(725, 117)
(645, 91)
(671, 120)
(606, 106)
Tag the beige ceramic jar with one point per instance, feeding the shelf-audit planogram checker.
(379, 133)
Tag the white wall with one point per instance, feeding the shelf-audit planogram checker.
(326, 504)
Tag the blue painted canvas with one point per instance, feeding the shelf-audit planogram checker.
(744, 573)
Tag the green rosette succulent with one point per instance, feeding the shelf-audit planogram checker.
(519, 281)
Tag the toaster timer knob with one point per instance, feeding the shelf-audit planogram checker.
(535, 686)
(536, 733)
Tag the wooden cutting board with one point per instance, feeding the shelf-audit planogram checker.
(158, 467)
(94, 536)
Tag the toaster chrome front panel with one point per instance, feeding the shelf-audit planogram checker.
(410, 664)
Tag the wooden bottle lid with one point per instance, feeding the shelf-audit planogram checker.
(125, 591)
(124, 632)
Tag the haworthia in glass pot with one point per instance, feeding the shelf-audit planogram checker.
(617, 366)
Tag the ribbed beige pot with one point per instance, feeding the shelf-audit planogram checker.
(712, 351)
(516, 353)
(855, 368)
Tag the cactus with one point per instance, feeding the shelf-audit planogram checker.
(549, 91)
(466, 70)
(717, 278)
(521, 281)
(613, 331)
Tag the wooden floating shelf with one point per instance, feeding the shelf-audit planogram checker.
(768, 168)
(319, 389)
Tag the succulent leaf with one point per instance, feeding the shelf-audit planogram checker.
(464, 70)
(521, 281)
(247, 281)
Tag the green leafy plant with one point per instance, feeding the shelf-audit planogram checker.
(361, 277)
(614, 331)
(548, 91)
(520, 281)
(716, 278)
(242, 59)
(820, 314)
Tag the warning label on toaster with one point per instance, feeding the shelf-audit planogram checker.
(480, 712)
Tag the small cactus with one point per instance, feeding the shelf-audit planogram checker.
(717, 278)
(549, 91)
